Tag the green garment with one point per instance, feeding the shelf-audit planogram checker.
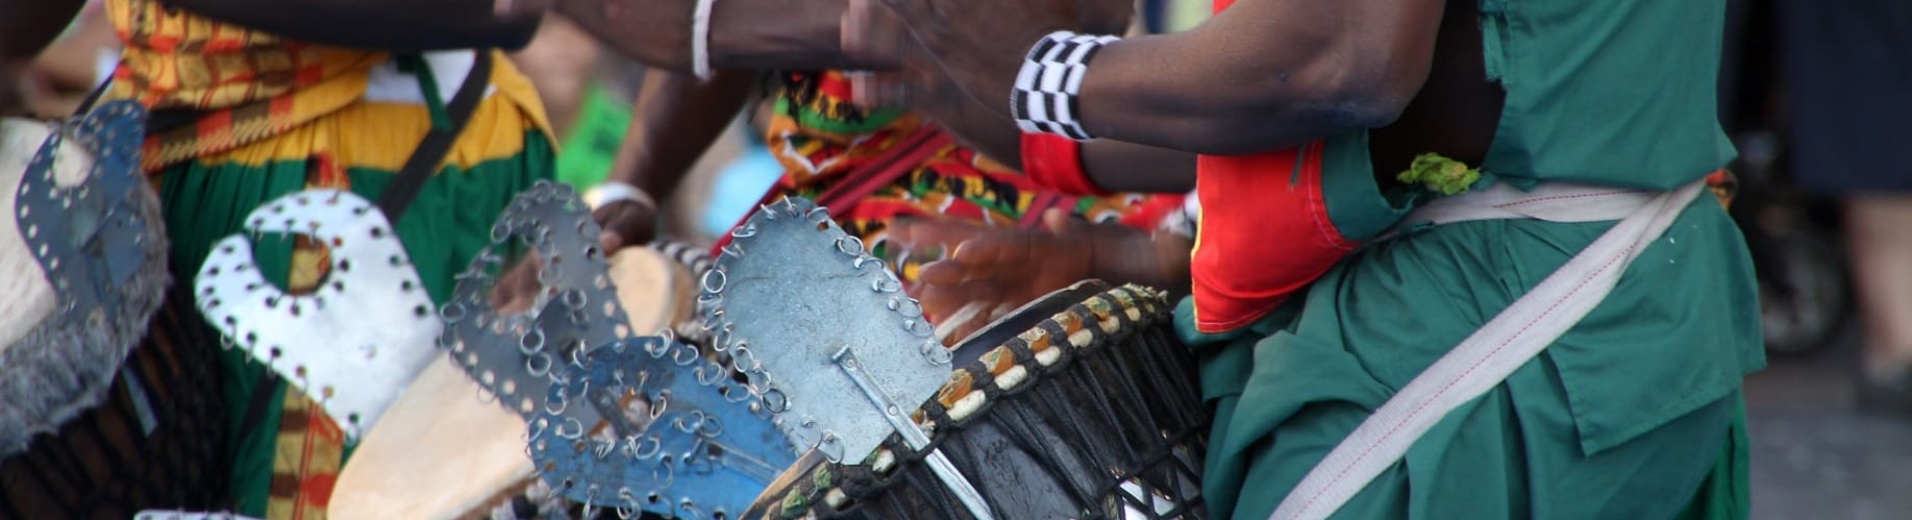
(1617, 92)
(1634, 413)
(591, 146)
(1624, 417)
(443, 229)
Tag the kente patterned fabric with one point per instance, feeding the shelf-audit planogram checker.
(819, 137)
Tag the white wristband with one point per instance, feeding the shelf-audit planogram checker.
(700, 40)
(1044, 97)
(617, 191)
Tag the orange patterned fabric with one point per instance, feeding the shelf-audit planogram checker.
(820, 138)
(251, 84)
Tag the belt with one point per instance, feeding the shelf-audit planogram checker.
(1506, 342)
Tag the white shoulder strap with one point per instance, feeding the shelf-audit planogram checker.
(1484, 359)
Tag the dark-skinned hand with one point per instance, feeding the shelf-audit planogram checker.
(873, 33)
(980, 44)
(993, 271)
(622, 224)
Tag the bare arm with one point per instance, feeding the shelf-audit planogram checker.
(396, 25)
(745, 34)
(1260, 75)
(677, 119)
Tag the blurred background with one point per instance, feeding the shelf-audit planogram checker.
(1825, 446)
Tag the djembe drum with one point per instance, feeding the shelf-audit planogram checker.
(447, 450)
(85, 430)
(1080, 405)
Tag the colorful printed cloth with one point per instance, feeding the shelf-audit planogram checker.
(271, 117)
(820, 137)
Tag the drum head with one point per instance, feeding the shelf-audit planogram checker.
(52, 368)
(446, 450)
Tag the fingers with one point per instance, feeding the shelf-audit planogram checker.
(624, 224)
(878, 90)
(919, 236)
(1058, 221)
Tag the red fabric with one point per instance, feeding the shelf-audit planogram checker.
(1264, 234)
(1151, 212)
(1055, 162)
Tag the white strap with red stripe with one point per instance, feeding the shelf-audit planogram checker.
(1507, 341)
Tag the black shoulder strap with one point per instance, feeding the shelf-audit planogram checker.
(432, 149)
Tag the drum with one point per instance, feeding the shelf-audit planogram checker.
(1079, 405)
(85, 431)
(446, 449)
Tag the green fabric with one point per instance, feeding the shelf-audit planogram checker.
(1594, 95)
(591, 146)
(1624, 417)
(1356, 205)
(810, 118)
(445, 226)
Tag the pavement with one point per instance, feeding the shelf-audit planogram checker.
(1815, 455)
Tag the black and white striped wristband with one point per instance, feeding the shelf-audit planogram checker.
(1044, 100)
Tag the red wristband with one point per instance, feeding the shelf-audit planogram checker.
(1055, 162)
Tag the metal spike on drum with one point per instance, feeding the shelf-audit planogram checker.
(827, 336)
(358, 338)
(615, 420)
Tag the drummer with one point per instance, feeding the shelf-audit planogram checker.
(826, 138)
(255, 100)
(1345, 118)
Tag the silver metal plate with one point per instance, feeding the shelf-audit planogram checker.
(790, 296)
(88, 237)
(357, 339)
(692, 442)
(516, 356)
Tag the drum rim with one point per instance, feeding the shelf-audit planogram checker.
(1144, 307)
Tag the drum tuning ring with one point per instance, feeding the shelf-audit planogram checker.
(576, 429)
(452, 313)
(721, 279)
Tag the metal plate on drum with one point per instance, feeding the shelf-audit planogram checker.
(799, 305)
(698, 444)
(615, 420)
(358, 338)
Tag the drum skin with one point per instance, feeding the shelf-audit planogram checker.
(49, 374)
(1091, 411)
(446, 450)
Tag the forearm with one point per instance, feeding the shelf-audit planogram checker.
(780, 35)
(1262, 75)
(404, 25)
(744, 34)
(27, 26)
(678, 117)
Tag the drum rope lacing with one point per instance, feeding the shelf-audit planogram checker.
(1079, 340)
